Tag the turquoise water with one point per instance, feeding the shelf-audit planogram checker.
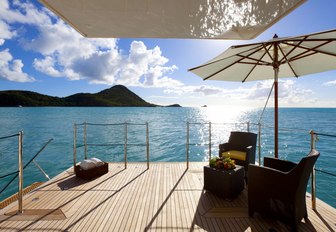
(167, 137)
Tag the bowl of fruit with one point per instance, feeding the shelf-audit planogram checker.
(222, 163)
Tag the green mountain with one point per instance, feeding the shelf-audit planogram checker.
(117, 95)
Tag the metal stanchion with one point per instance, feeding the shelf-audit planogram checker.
(74, 146)
(209, 142)
(313, 179)
(20, 193)
(259, 143)
(125, 146)
(147, 144)
(187, 146)
(85, 143)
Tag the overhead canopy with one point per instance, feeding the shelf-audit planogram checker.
(205, 19)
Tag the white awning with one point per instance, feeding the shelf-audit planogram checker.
(205, 19)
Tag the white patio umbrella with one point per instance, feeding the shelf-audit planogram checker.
(277, 58)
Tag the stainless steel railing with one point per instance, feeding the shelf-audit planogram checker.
(21, 168)
(209, 137)
(314, 137)
(125, 144)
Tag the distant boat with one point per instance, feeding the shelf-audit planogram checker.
(19, 105)
(205, 106)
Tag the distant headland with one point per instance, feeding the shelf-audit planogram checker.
(117, 95)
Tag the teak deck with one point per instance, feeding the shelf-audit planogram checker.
(166, 197)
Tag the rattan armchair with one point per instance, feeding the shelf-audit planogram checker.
(279, 188)
(244, 142)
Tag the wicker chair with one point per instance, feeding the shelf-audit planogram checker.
(279, 188)
(243, 143)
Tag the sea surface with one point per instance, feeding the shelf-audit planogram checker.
(167, 137)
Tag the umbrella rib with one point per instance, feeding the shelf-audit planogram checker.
(313, 50)
(258, 49)
(296, 46)
(255, 65)
(286, 59)
(267, 50)
(213, 62)
(254, 59)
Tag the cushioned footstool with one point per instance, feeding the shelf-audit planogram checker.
(92, 168)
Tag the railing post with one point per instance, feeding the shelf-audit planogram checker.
(259, 142)
(147, 144)
(209, 142)
(125, 146)
(85, 143)
(187, 146)
(20, 193)
(75, 146)
(313, 177)
(248, 126)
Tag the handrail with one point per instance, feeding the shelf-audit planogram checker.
(210, 141)
(9, 136)
(125, 144)
(9, 174)
(31, 160)
(327, 135)
(314, 138)
(325, 172)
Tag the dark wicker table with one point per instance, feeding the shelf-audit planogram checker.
(224, 183)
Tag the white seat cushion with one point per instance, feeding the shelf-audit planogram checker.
(97, 162)
(87, 164)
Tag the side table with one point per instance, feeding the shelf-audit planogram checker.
(224, 183)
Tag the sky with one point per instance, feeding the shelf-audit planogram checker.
(39, 52)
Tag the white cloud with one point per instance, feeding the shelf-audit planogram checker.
(330, 83)
(11, 69)
(202, 90)
(289, 93)
(65, 53)
(5, 32)
(260, 90)
(46, 65)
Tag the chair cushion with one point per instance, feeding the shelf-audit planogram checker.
(87, 164)
(97, 162)
(240, 155)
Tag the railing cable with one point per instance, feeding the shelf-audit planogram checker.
(328, 135)
(9, 174)
(9, 136)
(325, 172)
(3, 189)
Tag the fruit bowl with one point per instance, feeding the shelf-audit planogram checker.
(222, 163)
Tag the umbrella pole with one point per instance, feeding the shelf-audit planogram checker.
(276, 128)
(276, 74)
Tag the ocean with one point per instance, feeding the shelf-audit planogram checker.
(167, 130)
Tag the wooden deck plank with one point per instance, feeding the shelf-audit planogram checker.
(165, 197)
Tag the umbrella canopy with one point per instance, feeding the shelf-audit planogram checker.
(276, 58)
(216, 19)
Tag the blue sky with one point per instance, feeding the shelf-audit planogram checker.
(39, 52)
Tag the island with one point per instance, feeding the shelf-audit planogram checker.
(117, 95)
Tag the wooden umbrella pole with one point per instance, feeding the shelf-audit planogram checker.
(276, 107)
